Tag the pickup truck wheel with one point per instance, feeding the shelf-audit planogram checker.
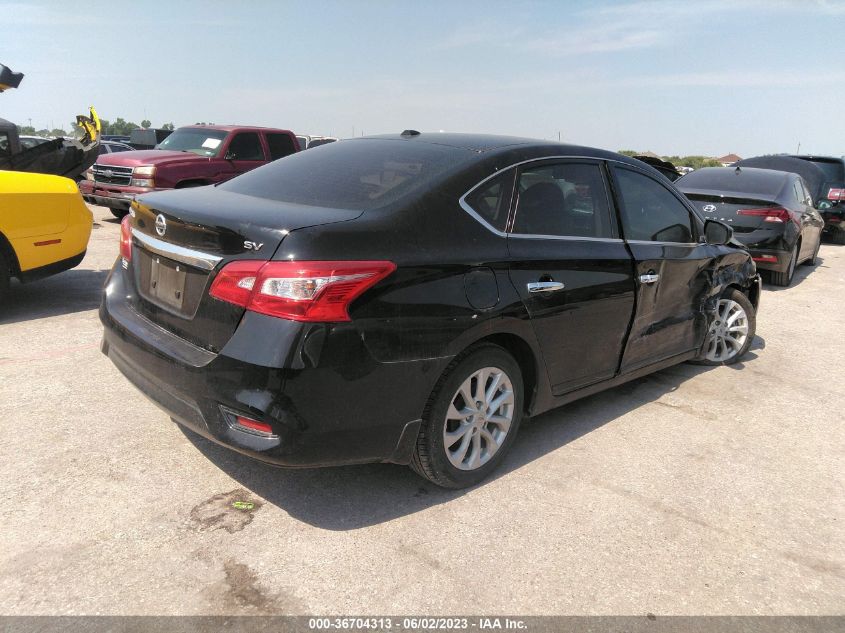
(119, 213)
(471, 418)
(785, 278)
(731, 331)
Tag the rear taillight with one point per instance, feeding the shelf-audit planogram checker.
(126, 239)
(770, 259)
(836, 194)
(300, 291)
(254, 425)
(768, 215)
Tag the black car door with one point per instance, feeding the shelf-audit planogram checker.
(671, 269)
(572, 270)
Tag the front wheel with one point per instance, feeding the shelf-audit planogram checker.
(731, 331)
(119, 213)
(471, 419)
(785, 278)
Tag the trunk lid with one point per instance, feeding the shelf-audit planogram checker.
(182, 238)
(728, 209)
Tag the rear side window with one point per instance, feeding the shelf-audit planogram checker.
(245, 146)
(281, 145)
(650, 211)
(492, 200)
(353, 174)
(563, 199)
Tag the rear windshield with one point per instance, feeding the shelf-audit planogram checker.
(833, 170)
(354, 174)
(759, 181)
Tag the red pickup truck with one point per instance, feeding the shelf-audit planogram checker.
(191, 156)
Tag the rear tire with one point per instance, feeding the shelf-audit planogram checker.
(838, 236)
(463, 438)
(731, 332)
(119, 213)
(785, 278)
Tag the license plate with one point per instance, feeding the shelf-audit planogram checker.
(167, 282)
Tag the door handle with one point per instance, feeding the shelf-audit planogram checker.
(649, 278)
(545, 286)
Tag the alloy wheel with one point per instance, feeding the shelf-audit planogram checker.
(728, 331)
(479, 418)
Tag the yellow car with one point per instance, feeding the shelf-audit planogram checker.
(44, 226)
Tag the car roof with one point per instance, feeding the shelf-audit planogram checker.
(232, 128)
(739, 180)
(809, 171)
(821, 159)
(483, 143)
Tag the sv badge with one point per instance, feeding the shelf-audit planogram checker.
(253, 246)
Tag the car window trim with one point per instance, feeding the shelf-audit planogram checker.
(697, 221)
(507, 234)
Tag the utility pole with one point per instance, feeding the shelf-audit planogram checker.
(558, 136)
(798, 151)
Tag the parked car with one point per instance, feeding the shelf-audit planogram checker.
(831, 199)
(147, 138)
(44, 226)
(110, 147)
(409, 298)
(119, 138)
(306, 141)
(820, 176)
(663, 166)
(28, 142)
(771, 213)
(192, 156)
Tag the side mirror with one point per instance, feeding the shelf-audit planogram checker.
(230, 155)
(717, 233)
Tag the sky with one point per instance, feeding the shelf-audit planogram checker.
(680, 77)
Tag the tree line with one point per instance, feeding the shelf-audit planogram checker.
(696, 162)
(117, 127)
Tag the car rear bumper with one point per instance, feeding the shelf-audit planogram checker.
(769, 259)
(320, 415)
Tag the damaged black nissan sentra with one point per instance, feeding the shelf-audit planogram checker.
(410, 298)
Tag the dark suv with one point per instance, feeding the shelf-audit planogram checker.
(409, 298)
(831, 198)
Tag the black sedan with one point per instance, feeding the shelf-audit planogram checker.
(410, 298)
(771, 213)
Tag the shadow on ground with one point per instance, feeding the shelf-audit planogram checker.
(68, 292)
(802, 271)
(352, 497)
